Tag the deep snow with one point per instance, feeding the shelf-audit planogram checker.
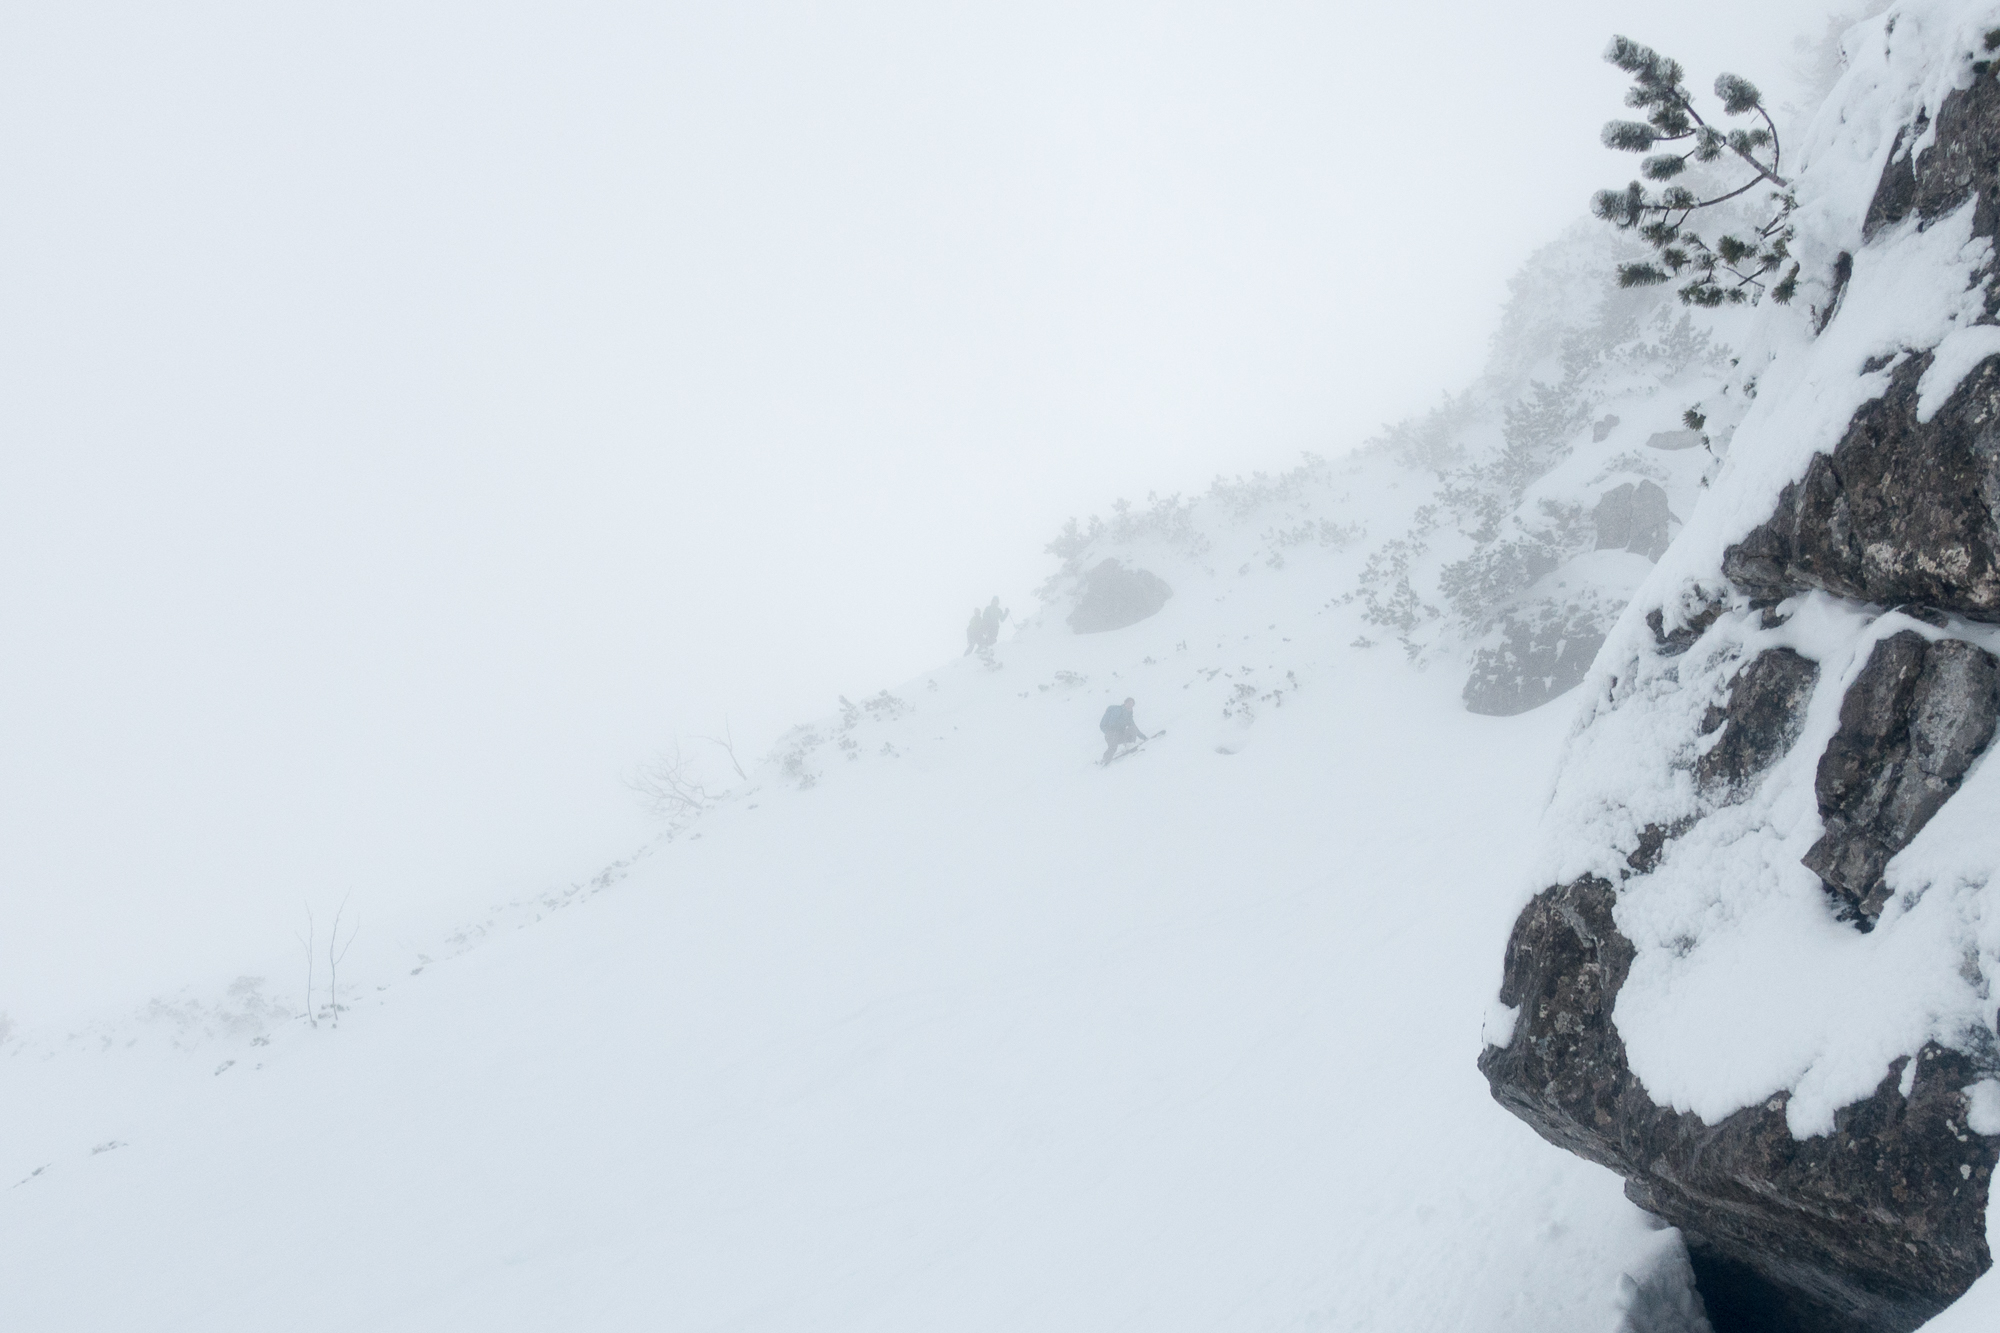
(969, 1033)
(932, 1023)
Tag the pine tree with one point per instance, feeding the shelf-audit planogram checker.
(1536, 427)
(1730, 268)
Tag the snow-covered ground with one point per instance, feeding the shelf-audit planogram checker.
(930, 1022)
(967, 1033)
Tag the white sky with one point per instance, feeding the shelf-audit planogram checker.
(416, 413)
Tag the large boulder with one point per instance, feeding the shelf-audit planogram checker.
(1633, 517)
(1904, 508)
(1113, 597)
(1812, 1107)
(1876, 1226)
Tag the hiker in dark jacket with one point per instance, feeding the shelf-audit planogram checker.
(975, 631)
(1119, 729)
(990, 619)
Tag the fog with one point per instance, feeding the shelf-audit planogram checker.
(416, 415)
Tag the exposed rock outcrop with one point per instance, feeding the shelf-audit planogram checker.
(1682, 637)
(1766, 708)
(1910, 726)
(1114, 597)
(1961, 162)
(1633, 517)
(1876, 1226)
(1844, 1186)
(1902, 510)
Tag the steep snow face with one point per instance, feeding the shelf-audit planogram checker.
(930, 1022)
(933, 1023)
(1754, 989)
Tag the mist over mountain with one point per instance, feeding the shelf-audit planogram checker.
(1524, 867)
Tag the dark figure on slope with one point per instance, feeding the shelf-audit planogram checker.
(975, 631)
(989, 620)
(1119, 729)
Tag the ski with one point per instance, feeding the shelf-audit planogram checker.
(1130, 749)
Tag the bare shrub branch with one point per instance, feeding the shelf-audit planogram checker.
(306, 941)
(671, 788)
(727, 744)
(335, 951)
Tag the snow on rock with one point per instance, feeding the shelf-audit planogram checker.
(1763, 980)
(1113, 597)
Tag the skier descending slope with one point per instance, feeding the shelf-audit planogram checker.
(1119, 729)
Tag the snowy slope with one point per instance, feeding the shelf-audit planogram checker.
(932, 1023)
(961, 1032)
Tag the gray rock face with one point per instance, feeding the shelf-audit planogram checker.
(1874, 1227)
(1544, 652)
(1674, 439)
(1910, 726)
(1114, 597)
(1901, 511)
(1881, 1223)
(1766, 709)
(1633, 518)
(1964, 157)
(1678, 640)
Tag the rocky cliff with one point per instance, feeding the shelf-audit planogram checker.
(1757, 978)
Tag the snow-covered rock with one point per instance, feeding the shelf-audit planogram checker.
(1112, 597)
(1911, 725)
(1760, 985)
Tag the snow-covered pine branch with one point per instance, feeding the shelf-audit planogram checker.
(1730, 268)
